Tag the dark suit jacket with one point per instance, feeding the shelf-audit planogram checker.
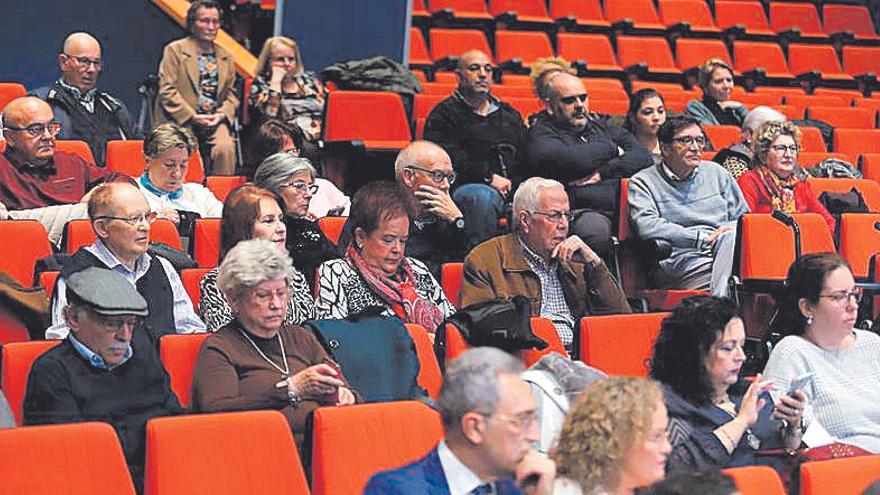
(424, 476)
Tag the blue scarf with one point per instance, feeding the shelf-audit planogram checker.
(145, 181)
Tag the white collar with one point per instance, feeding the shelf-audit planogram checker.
(460, 478)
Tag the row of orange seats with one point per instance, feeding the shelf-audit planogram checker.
(703, 17)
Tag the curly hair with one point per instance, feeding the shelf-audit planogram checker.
(766, 133)
(805, 280)
(543, 67)
(683, 344)
(602, 427)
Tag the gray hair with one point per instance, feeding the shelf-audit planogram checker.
(759, 115)
(526, 196)
(412, 156)
(277, 169)
(471, 383)
(251, 263)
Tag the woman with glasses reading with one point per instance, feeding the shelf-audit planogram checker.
(818, 313)
(776, 182)
(374, 272)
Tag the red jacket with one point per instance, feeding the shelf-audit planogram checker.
(65, 180)
(759, 200)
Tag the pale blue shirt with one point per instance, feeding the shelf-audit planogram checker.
(460, 478)
(185, 318)
(94, 359)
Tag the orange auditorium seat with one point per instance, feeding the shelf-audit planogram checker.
(191, 278)
(504, 92)
(206, 242)
(855, 18)
(812, 139)
(423, 104)
(620, 344)
(467, 10)
(179, 353)
(861, 59)
(756, 480)
(79, 148)
(18, 357)
(222, 185)
(847, 476)
(869, 189)
(332, 227)
(651, 50)
(857, 141)
(748, 14)
(525, 106)
(443, 89)
(693, 12)
(844, 118)
(804, 58)
(666, 88)
(454, 42)
(31, 242)
(804, 101)
(128, 157)
(545, 330)
(10, 91)
(353, 443)
(430, 378)
(849, 95)
(723, 136)
(527, 46)
(528, 12)
(352, 116)
(754, 99)
(70, 458)
(691, 53)
(594, 49)
(47, 281)
(641, 12)
(860, 242)
(240, 452)
(79, 233)
(451, 280)
(785, 16)
(418, 50)
(751, 55)
(871, 166)
(587, 13)
(516, 80)
(811, 158)
(609, 106)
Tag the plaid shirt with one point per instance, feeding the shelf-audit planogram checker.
(553, 305)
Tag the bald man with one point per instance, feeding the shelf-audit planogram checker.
(85, 113)
(32, 173)
(484, 137)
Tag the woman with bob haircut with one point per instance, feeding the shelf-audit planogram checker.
(613, 440)
(716, 108)
(717, 419)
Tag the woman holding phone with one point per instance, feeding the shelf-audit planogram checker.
(818, 313)
(716, 418)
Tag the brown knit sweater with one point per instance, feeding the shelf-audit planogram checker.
(231, 376)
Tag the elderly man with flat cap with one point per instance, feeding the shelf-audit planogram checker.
(107, 369)
(84, 112)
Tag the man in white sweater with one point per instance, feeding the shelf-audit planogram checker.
(692, 205)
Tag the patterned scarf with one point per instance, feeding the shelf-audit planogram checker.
(398, 290)
(781, 190)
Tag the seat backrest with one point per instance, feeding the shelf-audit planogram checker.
(636, 10)
(31, 242)
(857, 141)
(79, 233)
(756, 480)
(812, 158)
(614, 106)
(869, 189)
(859, 241)
(855, 18)
(451, 275)
(222, 185)
(79, 148)
(844, 118)
(418, 50)
(812, 139)
(722, 136)
(850, 475)
(785, 15)
(243, 452)
(693, 52)
(804, 101)
(752, 54)
(591, 48)
(191, 278)
(423, 104)
(694, 12)
(455, 343)
(47, 281)
(18, 357)
(652, 50)
(757, 231)
(84, 458)
(10, 91)
(544, 329)
(579, 9)
(332, 227)
(352, 116)
(521, 7)
(179, 353)
(430, 378)
(805, 58)
(353, 443)
(128, 157)
(206, 242)
(861, 59)
(12, 328)
(620, 344)
(871, 166)
(524, 45)
(454, 42)
(749, 14)
(461, 6)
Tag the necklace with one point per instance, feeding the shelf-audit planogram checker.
(285, 371)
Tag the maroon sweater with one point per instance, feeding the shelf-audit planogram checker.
(64, 180)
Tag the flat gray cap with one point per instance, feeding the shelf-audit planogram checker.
(107, 292)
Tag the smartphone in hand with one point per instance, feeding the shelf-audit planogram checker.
(800, 382)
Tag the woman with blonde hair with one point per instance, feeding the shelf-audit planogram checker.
(284, 90)
(613, 440)
(716, 108)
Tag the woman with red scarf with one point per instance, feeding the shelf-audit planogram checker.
(776, 182)
(375, 276)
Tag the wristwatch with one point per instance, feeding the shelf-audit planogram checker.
(458, 223)
(294, 398)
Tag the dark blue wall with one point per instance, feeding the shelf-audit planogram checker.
(337, 30)
(132, 34)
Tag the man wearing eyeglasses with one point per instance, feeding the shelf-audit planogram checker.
(121, 219)
(589, 155)
(32, 173)
(107, 369)
(85, 113)
(562, 277)
(490, 421)
(690, 204)
(485, 138)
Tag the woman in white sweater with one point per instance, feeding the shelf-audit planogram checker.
(818, 313)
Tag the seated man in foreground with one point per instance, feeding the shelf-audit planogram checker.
(489, 418)
(562, 277)
(108, 369)
(692, 205)
(121, 219)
